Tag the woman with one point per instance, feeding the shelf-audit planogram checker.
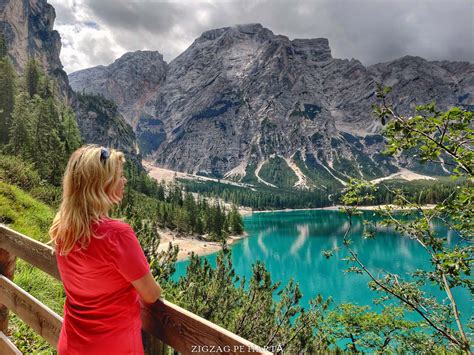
(102, 265)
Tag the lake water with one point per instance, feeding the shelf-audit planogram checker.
(291, 245)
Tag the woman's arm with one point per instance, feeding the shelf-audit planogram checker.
(148, 289)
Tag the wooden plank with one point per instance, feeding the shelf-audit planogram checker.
(188, 333)
(38, 316)
(7, 347)
(30, 250)
(153, 345)
(7, 268)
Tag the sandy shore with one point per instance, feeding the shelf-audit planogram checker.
(189, 244)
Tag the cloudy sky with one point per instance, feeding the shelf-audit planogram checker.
(99, 31)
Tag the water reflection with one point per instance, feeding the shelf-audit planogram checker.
(291, 245)
(303, 234)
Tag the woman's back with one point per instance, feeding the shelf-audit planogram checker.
(101, 314)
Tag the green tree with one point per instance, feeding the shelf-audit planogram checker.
(3, 46)
(189, 205)
(7, 94)
(71, 136)
(250, 310)
(384, 331)
(236, 224)
(430, 133)
(45, 87)
(48, 153)
(32, 77)
(20, 129)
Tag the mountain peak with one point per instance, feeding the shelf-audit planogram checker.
(240, 95)
(315, 47)
(127, 81)
(250, 29)
(138, 56)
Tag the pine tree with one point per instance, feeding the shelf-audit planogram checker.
(70, 131)
(7, 94)
(20, 130)
(49, 154)
(32, 77)
(190, 208)
(160, 194)
(45, 87)
(236, 224)
(3, 46)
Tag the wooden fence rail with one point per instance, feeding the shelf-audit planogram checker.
(7, 347)
(163, 323)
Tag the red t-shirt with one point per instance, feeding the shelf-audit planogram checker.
(102, 310)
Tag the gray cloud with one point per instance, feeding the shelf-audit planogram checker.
(369, 30)
(64, 14)
(155, 17)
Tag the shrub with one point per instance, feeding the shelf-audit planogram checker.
(17, 172)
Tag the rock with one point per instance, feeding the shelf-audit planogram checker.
(129, 81)
(27, 26)
(101, 123)
(240, 95)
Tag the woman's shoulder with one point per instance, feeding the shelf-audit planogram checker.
(113, 226)
(117, 234)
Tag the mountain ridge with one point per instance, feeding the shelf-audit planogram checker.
(239, 95)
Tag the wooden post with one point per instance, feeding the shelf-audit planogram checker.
(153, 345)
(7, 268)
(7, 347)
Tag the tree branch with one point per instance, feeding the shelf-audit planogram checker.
(465, 346)
(427, 136)
(404, 300)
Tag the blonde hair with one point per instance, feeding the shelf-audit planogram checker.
(90, 185)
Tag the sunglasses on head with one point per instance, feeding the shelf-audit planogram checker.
(104, 154)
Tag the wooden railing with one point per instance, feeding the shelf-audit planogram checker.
(163, 323)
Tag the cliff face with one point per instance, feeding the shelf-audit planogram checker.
(27, 26)
(102, 124)
(417, 81)
(129, 81)
(240, 97)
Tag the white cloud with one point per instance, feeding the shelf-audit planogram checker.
(85, 42)
(98, 31)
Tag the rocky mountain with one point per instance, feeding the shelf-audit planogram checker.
(416, 81)
(246, 104)
(102, 124)
(27, 26)
(129, 81)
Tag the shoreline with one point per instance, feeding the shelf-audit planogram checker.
(187, 245)
(247, 212)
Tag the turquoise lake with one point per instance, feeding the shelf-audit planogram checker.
(291, 245)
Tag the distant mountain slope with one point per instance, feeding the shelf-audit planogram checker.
(128, 81)
(27, 26)
(240, 96)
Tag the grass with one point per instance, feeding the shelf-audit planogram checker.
(277, 172)
(316, 173)
(23, 213)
